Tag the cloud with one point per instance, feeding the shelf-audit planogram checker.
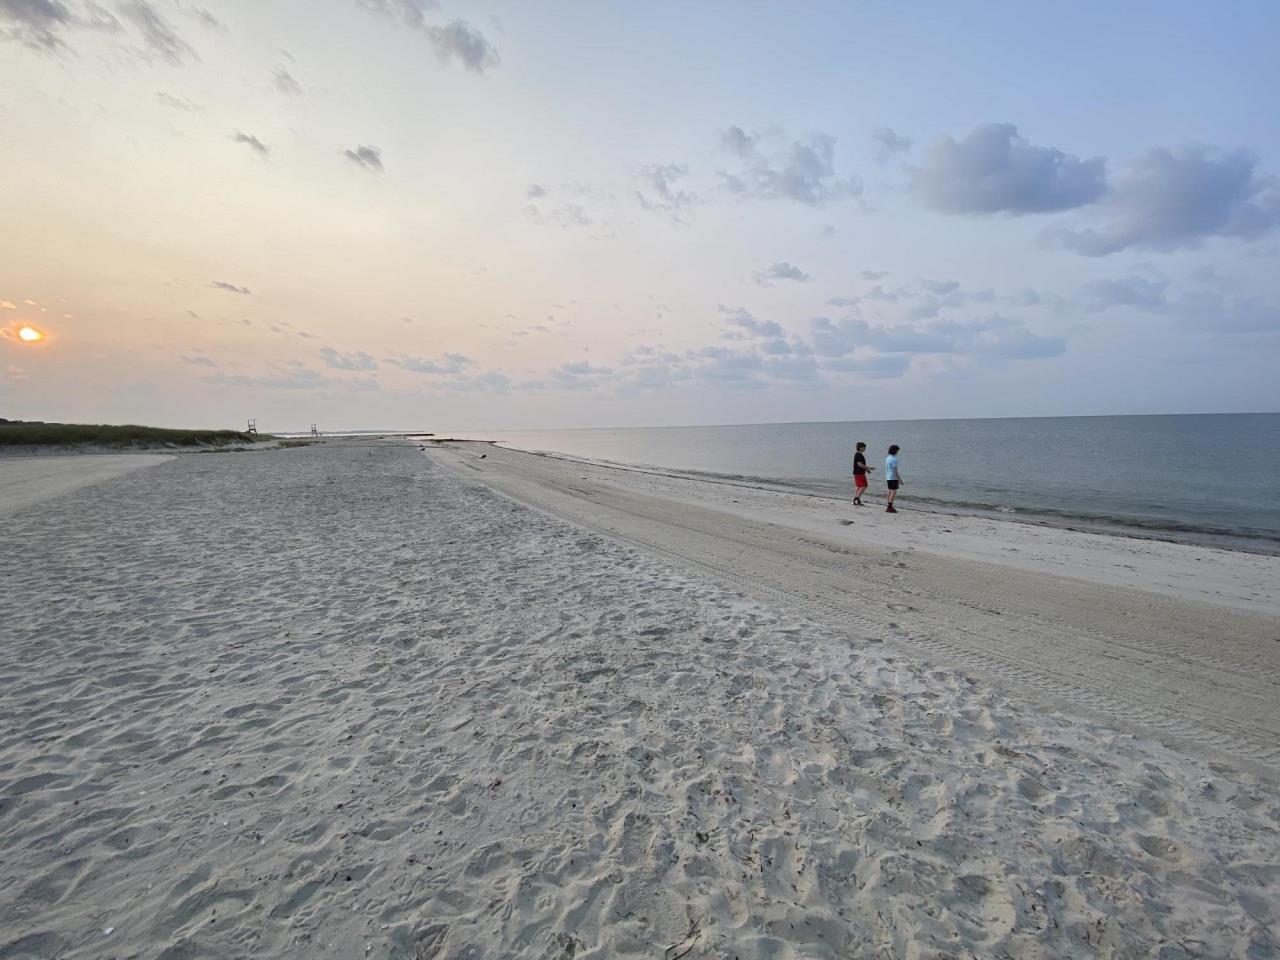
(993, 336)
(198, 360)
(731, 367)
(42, 24)
(160, 36)
(873, 276)
(346, 361)
(285, 83)
(1176, 199)
(578, 375)
(939, 287)
(288, 378)
(918, 299)
(876, 366)
(1140, 292)
(45, 25)
(742, 320)
(410, 11)
(1216, 310)
(460, 41)
(370, 158)
(776, 346)
(175, 103)
(6, 305)
(737, 141)
(207, 19)
(841, 337)
(803, 170)
(565, 215)
(1019, 344)
(994, 170)
(652, 368)
(1211, 311)
(880, 293)
(770, 360)
(491, 381)
(453, 41)
(780, 271)
(791, 368)
(889, 144)
(230, 287)
(35, 23)
(572, 204)
(258, 147)
(450, 363)
(663, 194)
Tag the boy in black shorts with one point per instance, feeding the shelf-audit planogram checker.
(892, 477)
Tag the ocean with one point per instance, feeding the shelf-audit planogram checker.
(1211, 479)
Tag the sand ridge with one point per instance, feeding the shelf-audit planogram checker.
(338, 702)
(26, 481)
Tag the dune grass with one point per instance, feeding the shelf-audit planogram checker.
(116, 436)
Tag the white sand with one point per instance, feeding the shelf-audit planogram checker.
(25, 481)
(338, 702)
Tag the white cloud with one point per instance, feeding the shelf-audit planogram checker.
(780, 271)
(802, 170)
(370, 158)
(1176, 199)
(995, 170)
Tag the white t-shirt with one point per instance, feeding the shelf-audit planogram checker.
(891, 467)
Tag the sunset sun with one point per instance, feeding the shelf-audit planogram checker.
(30, 334)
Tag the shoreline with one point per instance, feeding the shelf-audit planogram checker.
(1136, 528)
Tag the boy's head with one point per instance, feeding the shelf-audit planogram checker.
(893, 450)
(860, 447)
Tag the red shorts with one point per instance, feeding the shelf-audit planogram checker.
(860, 481)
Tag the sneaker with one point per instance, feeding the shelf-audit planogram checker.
(889, 509)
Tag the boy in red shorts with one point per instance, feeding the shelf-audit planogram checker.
(860, 470)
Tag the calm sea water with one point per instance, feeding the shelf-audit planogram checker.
(1211, 478)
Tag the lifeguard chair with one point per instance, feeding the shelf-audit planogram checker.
(253, 428)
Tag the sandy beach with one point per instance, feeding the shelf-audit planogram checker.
(1168, 640)
(25, 481)
(358, 700)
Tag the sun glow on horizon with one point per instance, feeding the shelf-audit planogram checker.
(30, 334)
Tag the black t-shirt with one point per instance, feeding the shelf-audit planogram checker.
(859, 465)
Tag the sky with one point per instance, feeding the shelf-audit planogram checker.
(500, 215)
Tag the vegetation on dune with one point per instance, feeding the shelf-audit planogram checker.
(113, 435)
